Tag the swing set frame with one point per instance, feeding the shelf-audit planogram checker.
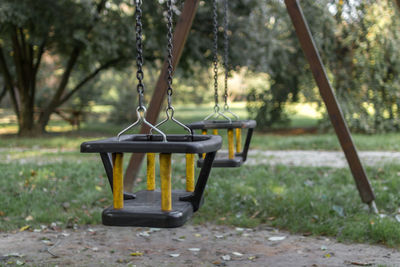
(311, 53)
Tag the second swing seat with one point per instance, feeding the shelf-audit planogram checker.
(238, 158)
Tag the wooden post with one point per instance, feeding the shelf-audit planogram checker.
(398, 4)
(179, 39)
(332, 106)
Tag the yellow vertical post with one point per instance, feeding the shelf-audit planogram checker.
(165, 174)
(118, 181)
(215, 131)
(231, 145)
(238, 140)
(151, 171)
(190, 172)
(204, 132)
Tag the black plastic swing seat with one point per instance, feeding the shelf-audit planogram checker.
(144, 207)
(237, 161)
(142, 143)
(144, 211)
(222, 124)
(224, 162)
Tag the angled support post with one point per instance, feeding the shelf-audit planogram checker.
(335, 113)
(181, 33)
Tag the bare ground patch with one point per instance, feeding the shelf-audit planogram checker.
(191, 245)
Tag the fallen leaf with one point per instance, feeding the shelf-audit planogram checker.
(174, 255)
(339, 210)
(29, 218)
(276, 238)
(144, 234)
(358, 263)
(238, 254)
(13, 254)
(194, 249)
(19, 263)
(219, 236)
(24, 228)
(327, 255)
(252, 258)
(324, 248)
(226, 257)
(137, 254)
(2, 213)
(197, 235)
(47, 242)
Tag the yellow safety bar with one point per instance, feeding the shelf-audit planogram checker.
(238, 140)
(165, 173)
(118, 181)
(151, 171)
(190, 172)
(231, 145)
(215, 131)
(204, 132)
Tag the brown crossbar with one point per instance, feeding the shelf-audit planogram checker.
(181, 33)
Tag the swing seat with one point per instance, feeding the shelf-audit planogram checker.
(144, 209)
(239, 158)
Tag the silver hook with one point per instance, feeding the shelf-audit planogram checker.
(217, 114)
(139, 111)
(171, 116)
(228, 110)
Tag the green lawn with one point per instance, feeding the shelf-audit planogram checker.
(64, 136)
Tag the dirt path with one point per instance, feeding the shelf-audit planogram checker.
(335, 159)
(190, 245)
(314, 158)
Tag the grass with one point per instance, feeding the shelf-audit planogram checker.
(312, 201)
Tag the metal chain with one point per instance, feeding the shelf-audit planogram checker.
(226, 52)
(169, 50)
(139, 49)
(215, 61)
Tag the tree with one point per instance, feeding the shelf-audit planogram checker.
(360, 46)
(81, 39)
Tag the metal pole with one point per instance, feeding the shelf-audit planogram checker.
(179, 39)
(332, 106)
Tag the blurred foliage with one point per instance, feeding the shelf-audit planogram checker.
(358, 41)
(359, 44)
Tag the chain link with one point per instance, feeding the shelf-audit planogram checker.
(139, 49)
(215, 60)
(226, 52)
(169, 50)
